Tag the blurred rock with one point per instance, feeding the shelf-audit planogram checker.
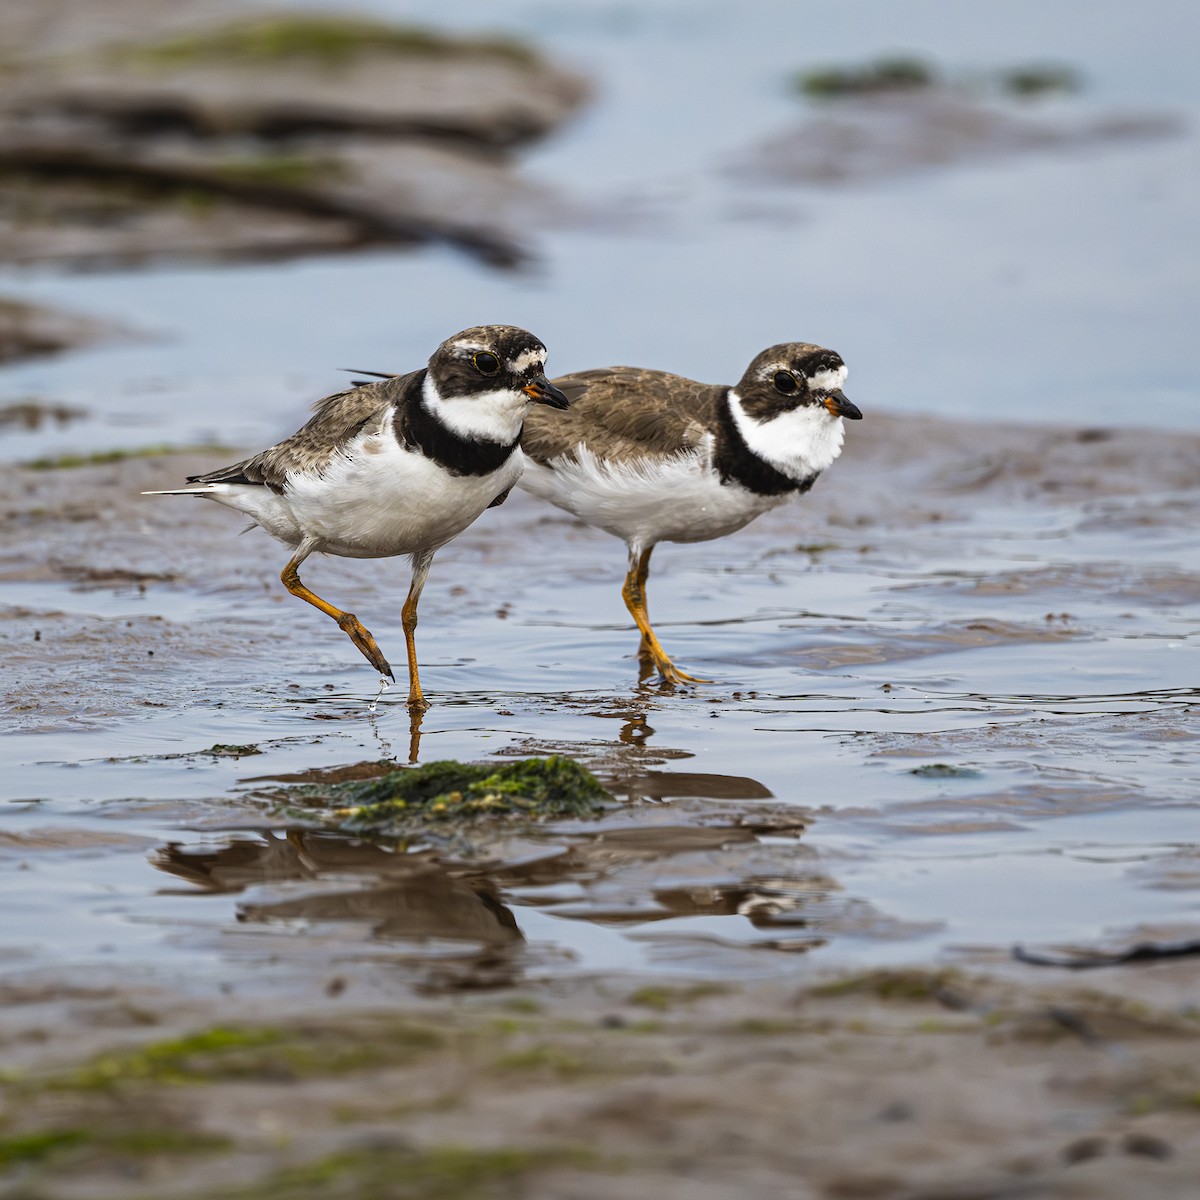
(27, 330)
(283, 76)
(272, 135)
(880, 135)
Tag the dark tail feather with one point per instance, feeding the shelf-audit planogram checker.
(234, 474)
(364, 382)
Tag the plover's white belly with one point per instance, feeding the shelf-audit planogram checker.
(643, 501)
(263, 506)
(375, 500)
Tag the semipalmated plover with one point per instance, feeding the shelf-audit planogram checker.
(398, 466)
(651, 457)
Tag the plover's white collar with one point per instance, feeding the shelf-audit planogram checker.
(495, 416)
(798, 443)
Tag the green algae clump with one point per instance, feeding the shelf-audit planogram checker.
(40, 1146)
(250, 1053)
(328, 41)
(446, 793)
(102, 458)
(884, 75)
(913, 984)
(177, 1060)
(439, 1172)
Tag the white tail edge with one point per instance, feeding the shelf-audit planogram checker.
(203, 489)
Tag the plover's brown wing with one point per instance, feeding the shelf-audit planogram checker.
(337, 418)
(623, 413)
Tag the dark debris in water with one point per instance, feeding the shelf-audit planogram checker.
(224, 750)
(441, 798)
(1080, 959)
(945, 771)
(370, 769)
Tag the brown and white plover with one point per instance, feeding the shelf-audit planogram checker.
(397, 466)
(652, 457)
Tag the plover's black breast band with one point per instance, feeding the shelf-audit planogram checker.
(418, 429)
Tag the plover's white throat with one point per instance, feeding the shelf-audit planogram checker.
(651, 457)
(400, 466)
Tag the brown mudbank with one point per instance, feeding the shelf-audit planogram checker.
(285, 76)
(609, 1088)
(32, 413)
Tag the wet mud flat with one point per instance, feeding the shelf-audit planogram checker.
(955, 711)
(918, 1083)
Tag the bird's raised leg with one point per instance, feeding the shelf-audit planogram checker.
(634, 594)
(350, 625)
(408, 618)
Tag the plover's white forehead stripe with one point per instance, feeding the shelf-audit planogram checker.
(525, 360)
(829, 380)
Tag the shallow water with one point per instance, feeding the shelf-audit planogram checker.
(938, 755)
(956, 690)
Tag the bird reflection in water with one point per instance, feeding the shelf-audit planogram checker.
(404, 897)
(725, 852)
(415, 717)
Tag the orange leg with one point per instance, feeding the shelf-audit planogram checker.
(347, 622)
(408, 619)
(634, 594)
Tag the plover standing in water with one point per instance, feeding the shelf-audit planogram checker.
(399, 466)
(651, 457)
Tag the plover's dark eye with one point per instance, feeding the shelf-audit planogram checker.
(785, 382)
(486, 364)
